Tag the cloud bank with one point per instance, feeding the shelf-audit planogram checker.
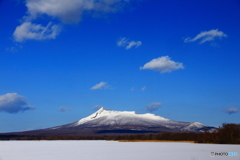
(231, 110)
(65, 11)
(163, 64)
(124, 42)
(13, 103)
(153, 106)
(206, 36)
(101, 85)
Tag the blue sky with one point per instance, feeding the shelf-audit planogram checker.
(61, 60)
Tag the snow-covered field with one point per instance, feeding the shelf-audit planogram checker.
(111, 150)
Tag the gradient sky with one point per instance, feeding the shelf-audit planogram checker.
(61, 60)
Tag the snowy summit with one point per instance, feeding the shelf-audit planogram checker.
(109, 117)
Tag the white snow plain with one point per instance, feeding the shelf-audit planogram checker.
(112, 150)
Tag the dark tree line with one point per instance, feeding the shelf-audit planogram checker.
(226, 134)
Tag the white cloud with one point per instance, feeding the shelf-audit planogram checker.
(70, 11)
(123, 42)
(206, 36)
(163, 64)
(231, 110)
(134, 43)
(153, 106)
(101, 85)
(63, 109)
(64, 10)
(143, 88)
(28, 30)
(13, 103)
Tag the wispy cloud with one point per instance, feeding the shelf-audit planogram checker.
(206, 36)
(63, 109)
(143, 88)
(231, 110)
(132, 89)
(163, 64)
(97, 107)
(101, 85)
(153, 106)
(66, 11)
(13, 103)
(28, 30)
(30, 129)
(124, 42)
(14, 48)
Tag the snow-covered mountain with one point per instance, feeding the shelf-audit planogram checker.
(108, 121)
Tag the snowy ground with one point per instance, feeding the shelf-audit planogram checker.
(110, 150)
